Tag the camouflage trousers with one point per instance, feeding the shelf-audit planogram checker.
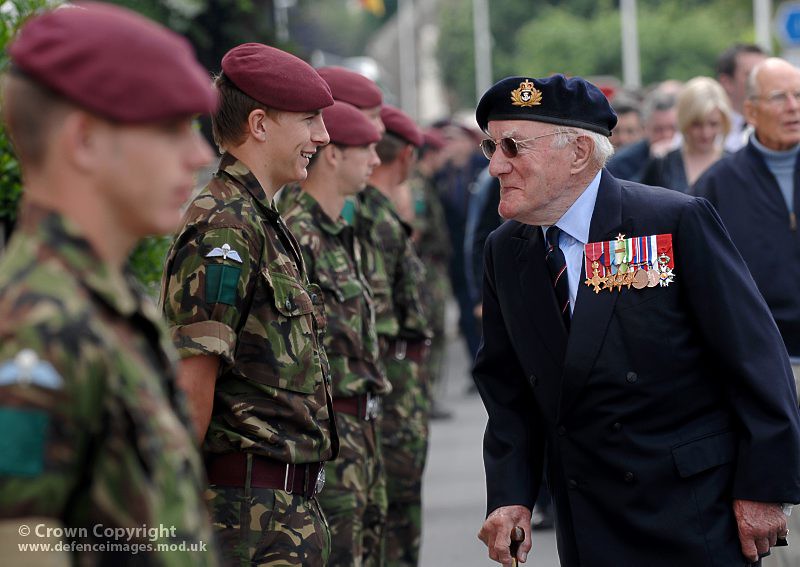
(404, 442)
(354, 498)
(435, 294)
(268, 527)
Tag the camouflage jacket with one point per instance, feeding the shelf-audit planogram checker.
(333, 258)
(94, 428)
(430, 227)
(394, 270)
(235, 287)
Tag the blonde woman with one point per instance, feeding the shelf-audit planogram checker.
(704, 120)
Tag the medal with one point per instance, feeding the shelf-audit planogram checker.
(592, 253)
(640, 279)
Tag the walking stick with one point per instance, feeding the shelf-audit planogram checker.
(517, 537)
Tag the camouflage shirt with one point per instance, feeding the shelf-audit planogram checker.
(333, 258)
(94, 430)
(235, 287)
(393, 268)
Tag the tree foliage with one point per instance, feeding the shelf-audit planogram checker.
(678, 39)
(12, 14)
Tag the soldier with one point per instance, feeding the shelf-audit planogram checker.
(354, 500)
(432, 242)
(249, 324)
(395, 274)
(94, 435)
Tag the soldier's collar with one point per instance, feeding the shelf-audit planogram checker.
(325, 222)
(64, 237)
(238, 171)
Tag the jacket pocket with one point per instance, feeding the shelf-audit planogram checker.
(702, 454)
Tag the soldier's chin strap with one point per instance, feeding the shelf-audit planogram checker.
(23, 541)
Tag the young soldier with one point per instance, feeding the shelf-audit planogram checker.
(395, 276)
(354, 500)
(247, 321)
(94, 434)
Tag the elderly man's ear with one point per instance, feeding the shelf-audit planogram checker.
(583, 150)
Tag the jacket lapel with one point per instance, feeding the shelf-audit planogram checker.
(593, 311)
(534, 281)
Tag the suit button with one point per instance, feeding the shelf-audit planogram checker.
(632, 377)
(616, 427)
(561, 430)
(629, 477)
(572, 484)
(533, 379)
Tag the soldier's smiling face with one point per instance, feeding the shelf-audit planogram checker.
(292, 137)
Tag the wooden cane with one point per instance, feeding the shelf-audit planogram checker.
(517, 537)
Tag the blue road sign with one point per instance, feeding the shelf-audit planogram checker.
(787, 23)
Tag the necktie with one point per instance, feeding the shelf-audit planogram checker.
(557, 265)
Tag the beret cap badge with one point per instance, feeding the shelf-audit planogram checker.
(526, 95)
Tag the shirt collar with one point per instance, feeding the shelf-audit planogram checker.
(575, 222)
(55, 232)
(242, 174)
(321, 218)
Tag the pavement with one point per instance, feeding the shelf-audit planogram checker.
(454, 493)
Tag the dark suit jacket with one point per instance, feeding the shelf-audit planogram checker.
(659, 408)
(749, 201)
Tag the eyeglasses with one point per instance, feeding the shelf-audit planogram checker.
(780, 98)
(510, 146)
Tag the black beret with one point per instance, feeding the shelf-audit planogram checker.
(114, 62)
(275, 78)
(556, 100)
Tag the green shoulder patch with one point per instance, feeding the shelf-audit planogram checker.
(22, 441)
(222, 282)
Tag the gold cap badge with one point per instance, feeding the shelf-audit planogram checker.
(526, 95)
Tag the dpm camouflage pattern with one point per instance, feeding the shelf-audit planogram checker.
(433, 245)
(394, 267)
(333, 261)
(269, 528)
(354, 499)
(235, 286)
(94, 428)
(255, 310)
(404, 445)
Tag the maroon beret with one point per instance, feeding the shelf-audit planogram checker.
(352, 87)
(113, 62)
(275, 78)
(348, 126)
(434, 138)
(400, 124)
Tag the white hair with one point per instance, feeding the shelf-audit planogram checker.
(603, 149)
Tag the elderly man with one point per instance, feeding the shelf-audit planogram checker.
(248, 323)
(96, 434)
(652, 383)
(756, 194)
